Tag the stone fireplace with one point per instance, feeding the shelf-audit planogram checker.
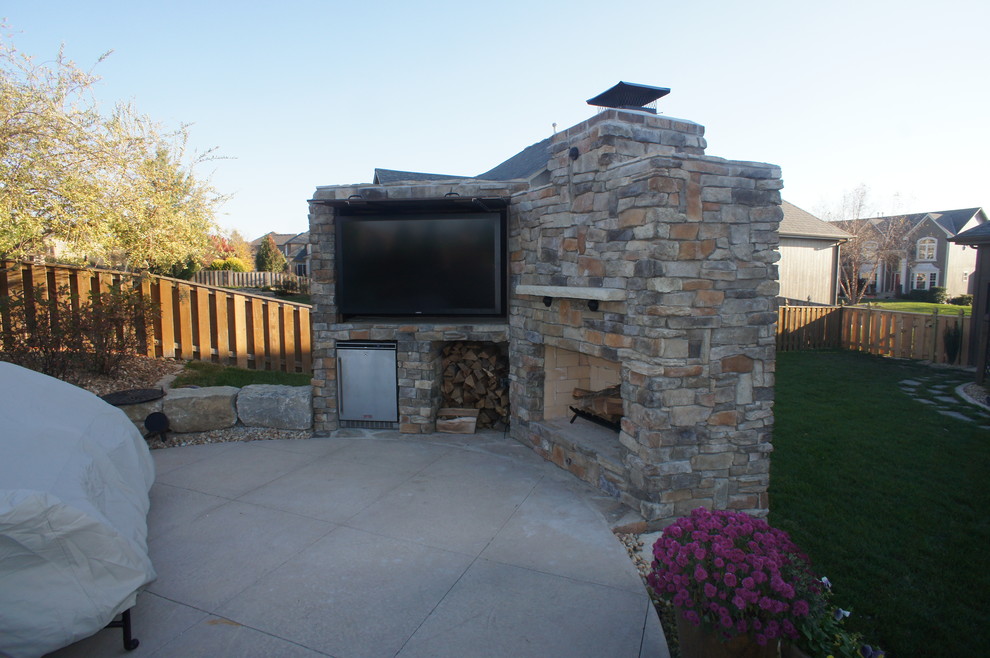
(634, 260)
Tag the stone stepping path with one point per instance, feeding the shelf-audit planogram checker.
(938, 389)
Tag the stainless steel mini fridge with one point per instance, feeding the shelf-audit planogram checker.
(367, 384)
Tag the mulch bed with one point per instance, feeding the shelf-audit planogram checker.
(134, 372)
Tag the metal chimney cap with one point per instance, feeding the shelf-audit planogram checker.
(629, 96)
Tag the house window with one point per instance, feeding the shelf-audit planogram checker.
(926, 249)
(925, 280)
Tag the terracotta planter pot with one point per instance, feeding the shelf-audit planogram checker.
(705, 642)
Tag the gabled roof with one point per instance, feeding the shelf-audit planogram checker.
(954, 220)
(383, 176)
(800, 223)
(279, 238)
(976, 235)
(950, 221)
(522, 166)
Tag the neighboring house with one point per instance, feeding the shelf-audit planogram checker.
(297, 254)
(930, 259)
(295, 248)
(809, 257)
(978, 239)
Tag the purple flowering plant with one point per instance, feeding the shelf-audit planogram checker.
(736, 574)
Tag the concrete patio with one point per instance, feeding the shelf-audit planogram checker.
(372, 544)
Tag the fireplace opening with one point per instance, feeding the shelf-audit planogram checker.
(602, 407)
(581, 388)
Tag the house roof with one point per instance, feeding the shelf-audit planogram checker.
(951, 221)
(279, 238)
(976, 235)
(383, 176)
(523, 165)
(801, 223)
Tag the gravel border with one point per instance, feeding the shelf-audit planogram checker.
(226, 435)
(973, 393)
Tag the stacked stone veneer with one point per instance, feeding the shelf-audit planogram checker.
(629, 205)
(419, 344)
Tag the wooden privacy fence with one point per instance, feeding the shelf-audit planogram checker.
(887, 333)
(226, 278)
(207, 323)
(808, 328)
(197, 322)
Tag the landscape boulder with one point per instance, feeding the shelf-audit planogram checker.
(138, 412)
(201, 409)
(278, 407)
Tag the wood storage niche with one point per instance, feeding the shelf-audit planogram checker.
(475, 375)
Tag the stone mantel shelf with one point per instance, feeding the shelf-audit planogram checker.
(574, 292)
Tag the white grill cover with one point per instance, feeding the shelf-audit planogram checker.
(74, 480)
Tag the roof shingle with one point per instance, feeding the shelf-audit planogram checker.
(801, 223)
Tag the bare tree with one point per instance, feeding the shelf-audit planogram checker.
(876, 241)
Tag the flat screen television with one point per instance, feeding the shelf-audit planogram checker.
(421, 264)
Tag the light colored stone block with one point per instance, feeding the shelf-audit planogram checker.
(138, 412)
(279, 407)
(201, 409)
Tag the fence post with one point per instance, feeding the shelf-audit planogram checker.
(964, 330)
(935, 335)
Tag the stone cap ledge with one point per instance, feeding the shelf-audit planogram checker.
(573, 292)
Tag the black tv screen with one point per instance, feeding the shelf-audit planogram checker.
(421, 264)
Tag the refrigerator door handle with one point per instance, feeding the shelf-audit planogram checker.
(340, 385)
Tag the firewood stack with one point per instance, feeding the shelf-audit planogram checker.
(606, 403)
(475, 376)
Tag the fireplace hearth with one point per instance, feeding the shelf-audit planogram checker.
(640, 285)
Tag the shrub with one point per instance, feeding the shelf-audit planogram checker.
(184, 269)
(230, 264)
(115, 324)
(53, 333)
(41, 332)
(737, 575)
(962, 300)
(287, 286)
(934, 295)
(952, 341)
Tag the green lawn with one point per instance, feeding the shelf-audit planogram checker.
(920, 307)
(890, 499)
(200, 373)
(299, 298)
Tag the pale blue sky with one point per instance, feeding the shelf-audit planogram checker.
(308, 93)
